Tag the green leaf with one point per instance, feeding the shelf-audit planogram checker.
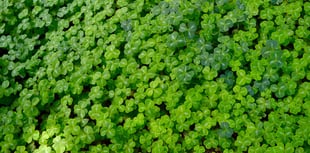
(209, 74)
(159, 147)
(199, 149)
(20, 149)
(5, 84)
(43, 149)
(225, 131)
(80, 111)
(30, 134)
(58, 144)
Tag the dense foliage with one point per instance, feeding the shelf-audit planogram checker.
(155, 76)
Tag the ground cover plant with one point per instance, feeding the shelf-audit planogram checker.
(155, 76)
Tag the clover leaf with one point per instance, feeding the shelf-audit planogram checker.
(59, 144)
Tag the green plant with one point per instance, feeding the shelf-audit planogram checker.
(154, 76)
